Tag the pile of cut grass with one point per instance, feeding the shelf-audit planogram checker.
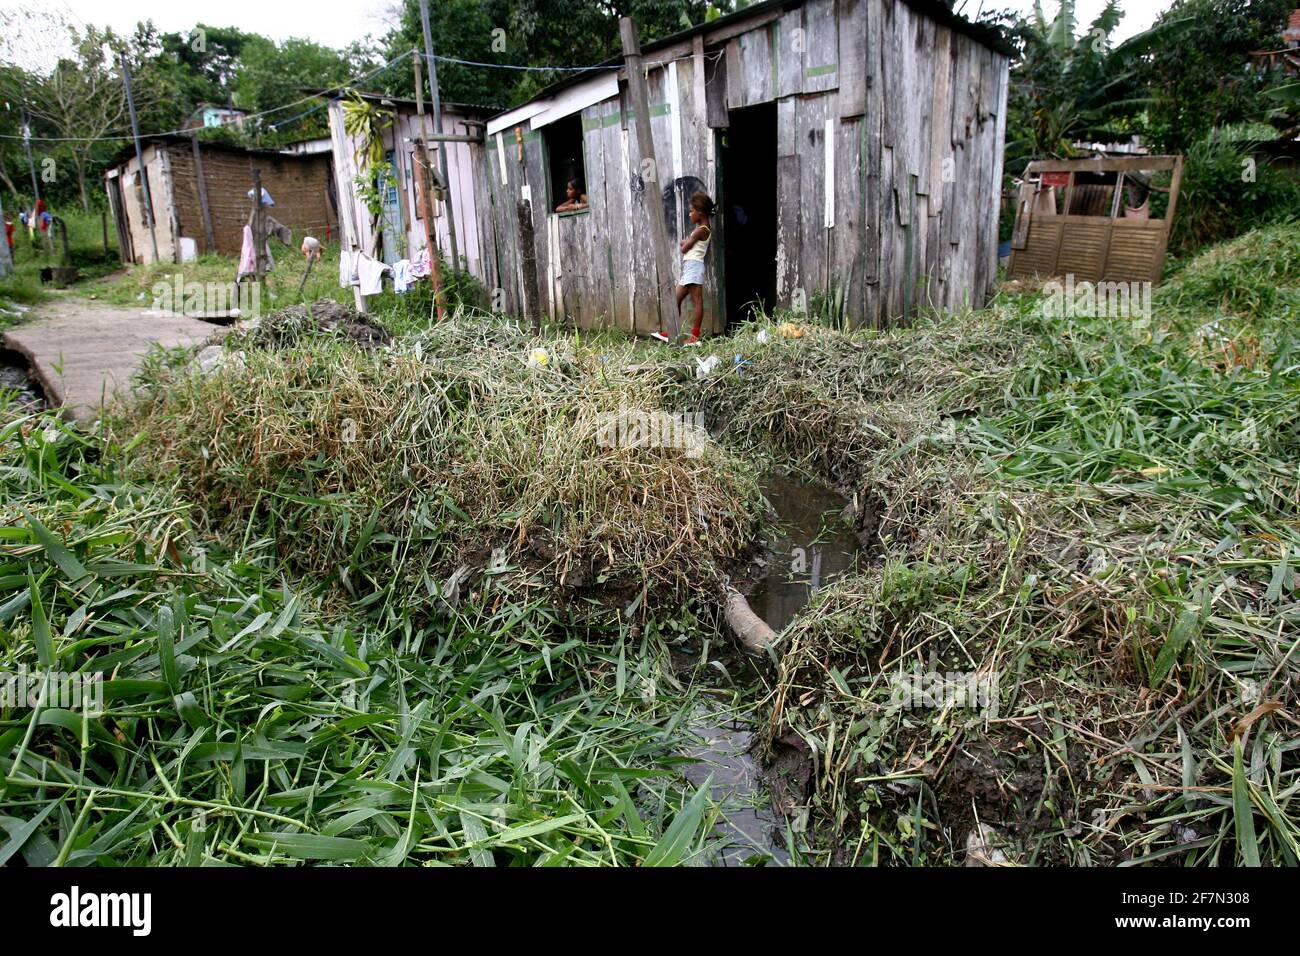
(1097, 518)
(241, 726)
(1255, 274)
(403, 473)
(836, 405)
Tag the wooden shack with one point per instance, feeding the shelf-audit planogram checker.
(854, 148)
(211, 208)
(399, 232)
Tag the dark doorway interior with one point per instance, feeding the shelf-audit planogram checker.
(749, 207)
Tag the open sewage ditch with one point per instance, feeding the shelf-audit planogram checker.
(811, 543)
(18, 386)
(1003, 525)
(655, 526)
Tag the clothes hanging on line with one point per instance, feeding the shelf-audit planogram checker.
(247, 254)
(370, 275)
(420, 265)
(402, 278)
(347, 269)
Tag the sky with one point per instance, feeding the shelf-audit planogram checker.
(1138, 14)
(338, 22)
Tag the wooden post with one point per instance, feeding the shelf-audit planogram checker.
(201, 181)
(6, 260)
(259, 227)
(528, 264)
(435, 103)
(1175, 183)
(139, 156)
(435, 273)
(636, 88)
(302, 284)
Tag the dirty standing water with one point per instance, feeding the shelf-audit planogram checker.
(813, 546)
(16, 385)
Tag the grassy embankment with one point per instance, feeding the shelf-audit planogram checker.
(362, 607)
(430, 622)
(244, 723)
(1099, 514)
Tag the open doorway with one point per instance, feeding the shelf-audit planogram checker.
(748, 196)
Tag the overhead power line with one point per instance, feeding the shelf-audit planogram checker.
(360, 78)
(352, 81)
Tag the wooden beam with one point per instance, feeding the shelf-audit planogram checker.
(259, 227)
(426, 193)
(528, 264)
(636, 87)
(1102, 164)
(209, 237)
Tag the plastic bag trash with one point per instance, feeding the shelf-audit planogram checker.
(539, 358)
(703, 367)
(762, 336)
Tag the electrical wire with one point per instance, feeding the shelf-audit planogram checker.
(176, 132)
(526, 69)
(349, 82)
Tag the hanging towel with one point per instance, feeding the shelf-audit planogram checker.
(347, 269)
(402, 278)
(370, 273)
(247, 254)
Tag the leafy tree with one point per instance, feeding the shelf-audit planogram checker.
(1067, 85)
(534, 33)
(271, 75)
(1203, 78)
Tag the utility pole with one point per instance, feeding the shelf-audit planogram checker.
(6, 259)
(640, 98)
(139, 157)
(259, 228)
(435, 103)
(426, 188)
(27, 148)
(36, 188)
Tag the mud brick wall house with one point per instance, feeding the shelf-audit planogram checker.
(854, 148)
(301, 185)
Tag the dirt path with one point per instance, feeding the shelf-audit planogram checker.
(82, 351)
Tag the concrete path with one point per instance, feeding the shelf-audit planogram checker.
(83, 351)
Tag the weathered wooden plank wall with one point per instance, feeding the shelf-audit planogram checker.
(888, 166)
(477, 219)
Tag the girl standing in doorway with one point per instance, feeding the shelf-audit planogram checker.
(694, 248)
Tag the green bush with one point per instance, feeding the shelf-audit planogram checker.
(1219, 200)
(413, 309)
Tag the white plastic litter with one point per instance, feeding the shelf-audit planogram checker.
(704, 367)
